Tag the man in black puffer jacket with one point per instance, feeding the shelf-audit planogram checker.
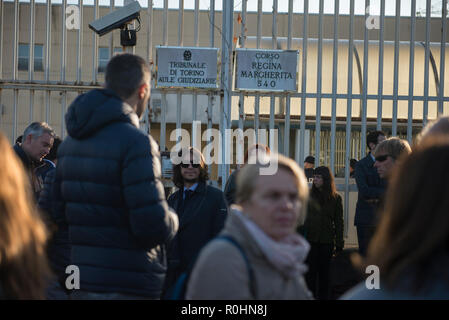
(108, 189)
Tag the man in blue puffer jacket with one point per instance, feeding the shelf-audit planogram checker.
(108, 189)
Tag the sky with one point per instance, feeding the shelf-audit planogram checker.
(298, 5)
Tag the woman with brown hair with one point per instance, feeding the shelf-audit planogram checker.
(24, 269)
(323, 229)
(411, 245)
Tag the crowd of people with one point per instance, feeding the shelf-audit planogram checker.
(96, 201)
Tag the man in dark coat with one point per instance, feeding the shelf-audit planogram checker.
(370, 189)
(34, 145)
(108, 189)
(201, 210)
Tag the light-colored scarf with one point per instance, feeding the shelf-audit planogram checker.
(287, 255)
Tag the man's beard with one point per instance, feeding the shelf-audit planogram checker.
(190, 180)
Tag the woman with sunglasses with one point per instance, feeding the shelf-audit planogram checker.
(323, 229)
(201, 210)
(386, 154)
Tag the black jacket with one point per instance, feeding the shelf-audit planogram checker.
(108, 190)
(231, 188)
(31, 167)
(58, 247)
(324, 222)
(203, 218)
(370, 190)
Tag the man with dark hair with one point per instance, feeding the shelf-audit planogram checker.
(309, 164)
(201, 210)
(108, 189)
(35, 144)
(370, 189)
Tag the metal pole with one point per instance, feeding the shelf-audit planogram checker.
(15, 39)
(381, 66)
(95, 47)
(349, 114)
(426, 64)
(442, 56)
(178, 92)
(31, 64)
(63, 41)
(318, 85)
(226, 79)
(411, 73)
(396, 69)
(164, 95)
(257, 97)
(287, 97)
(197, 21)
(365, 82)
(304, 82)
(334, 84)
(274, 46)
(150, 60)
(79, 58)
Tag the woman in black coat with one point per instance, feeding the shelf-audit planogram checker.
(323, 229)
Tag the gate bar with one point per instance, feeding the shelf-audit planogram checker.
(396, 69)
(411, 73)
(273, 46)
(381, 66)
(334, 84)
(442, 56)
(365, 82)
(318, 85)
(426, 64)
(304, 83)
(349, 115)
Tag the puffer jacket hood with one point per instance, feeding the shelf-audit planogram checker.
(95, 109)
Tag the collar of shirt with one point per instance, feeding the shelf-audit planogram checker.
(192, 188)
(372, 157)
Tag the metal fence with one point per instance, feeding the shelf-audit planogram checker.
(333, 108)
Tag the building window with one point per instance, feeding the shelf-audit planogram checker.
(103, 57)
(24, 57)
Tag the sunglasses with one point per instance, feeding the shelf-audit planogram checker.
(194, 165)
(382, 158)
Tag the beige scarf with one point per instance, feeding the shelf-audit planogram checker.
(287, 255)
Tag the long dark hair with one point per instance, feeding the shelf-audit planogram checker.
(414, 227)
(328, 191)
(196, 155)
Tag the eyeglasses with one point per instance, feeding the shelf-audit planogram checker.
(194, 165)
(382, 158)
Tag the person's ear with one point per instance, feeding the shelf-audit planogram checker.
(28, 139)
(143, 90)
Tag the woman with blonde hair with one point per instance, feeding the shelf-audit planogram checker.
(258, 255)
(24, 269)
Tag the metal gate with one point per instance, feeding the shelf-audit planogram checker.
(360, 69)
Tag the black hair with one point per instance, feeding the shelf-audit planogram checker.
(373, 136)
(125, 73)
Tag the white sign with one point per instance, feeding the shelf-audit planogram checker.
(266, 70)
(187, 67)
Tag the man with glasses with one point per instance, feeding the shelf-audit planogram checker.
(201, 211)
(370, 189)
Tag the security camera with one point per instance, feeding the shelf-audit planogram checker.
(116, 19)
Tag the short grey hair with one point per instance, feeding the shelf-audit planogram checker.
(36, 129)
